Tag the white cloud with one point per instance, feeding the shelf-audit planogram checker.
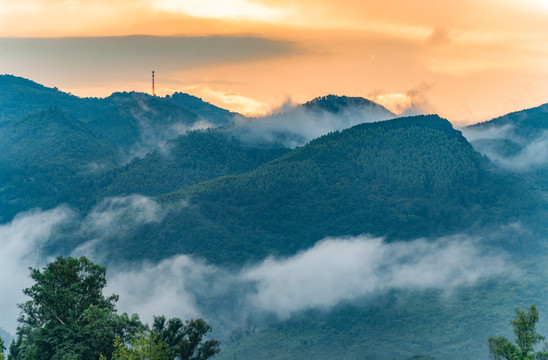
(117, 217)
(220, 9)
(345, 269)
(168, 288)
(22, 241)
(299, 125)
(320, 277)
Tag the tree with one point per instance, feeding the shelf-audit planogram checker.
(186, 340)
(144, 347)
(526, 338)
(2, 348)
(68, 317)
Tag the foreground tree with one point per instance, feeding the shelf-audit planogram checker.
(526, 338)
(68, 317)
(186, 341)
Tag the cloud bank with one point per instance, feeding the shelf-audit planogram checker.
(332, 271)
(298, 125)
(345, 269)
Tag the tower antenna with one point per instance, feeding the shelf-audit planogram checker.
(153, 93)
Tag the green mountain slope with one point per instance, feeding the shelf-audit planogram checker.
(525, 122)
(129, 119)
(506, 136)
(336, 104)
(42, 156)
(205, 110)
(403, 179)
(135, 122)
(398, 325)
(20, 97)
(185, 161)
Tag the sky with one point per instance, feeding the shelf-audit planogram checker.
(465, 60)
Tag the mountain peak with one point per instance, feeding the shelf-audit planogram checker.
(335, 104)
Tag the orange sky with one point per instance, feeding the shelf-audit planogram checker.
(466, 60)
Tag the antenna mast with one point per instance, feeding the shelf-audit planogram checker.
(153, 93)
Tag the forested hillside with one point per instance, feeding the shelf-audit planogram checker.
(403, 178)
(185, 161)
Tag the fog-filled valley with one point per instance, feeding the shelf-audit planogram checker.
(333, 229)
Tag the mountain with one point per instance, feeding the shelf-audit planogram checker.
(298, 125)
(205, 110)
(42, 156)
(136, 123)
(396, 325)
(337, 104)
(139, 123)
(526, 123)
(508, 139)
(403, 178)
(195, 157)
(517, 142)
(20, 97)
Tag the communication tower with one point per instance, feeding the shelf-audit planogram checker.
(153, 93)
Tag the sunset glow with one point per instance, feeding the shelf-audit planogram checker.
(471, 60)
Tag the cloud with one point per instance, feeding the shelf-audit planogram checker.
(299, 125)
(533, 156)
(409, 103)
(472, 133)
(168, 288)
(116, 217)
(333, 270)
(22, 244)
(130, 58)
(345, 269)
(439, 37)
(228, 99)
(120, 214)
(25, 237)
(221, 9)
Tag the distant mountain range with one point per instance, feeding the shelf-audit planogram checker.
(234, 191)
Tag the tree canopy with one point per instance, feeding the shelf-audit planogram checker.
(68, 317)
(526, 339)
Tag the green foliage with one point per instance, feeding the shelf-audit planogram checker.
(144, 347)
(68, 317)
(64, 290)
(186, 340)
(2, 349)
(526, 338)
(201, 108)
